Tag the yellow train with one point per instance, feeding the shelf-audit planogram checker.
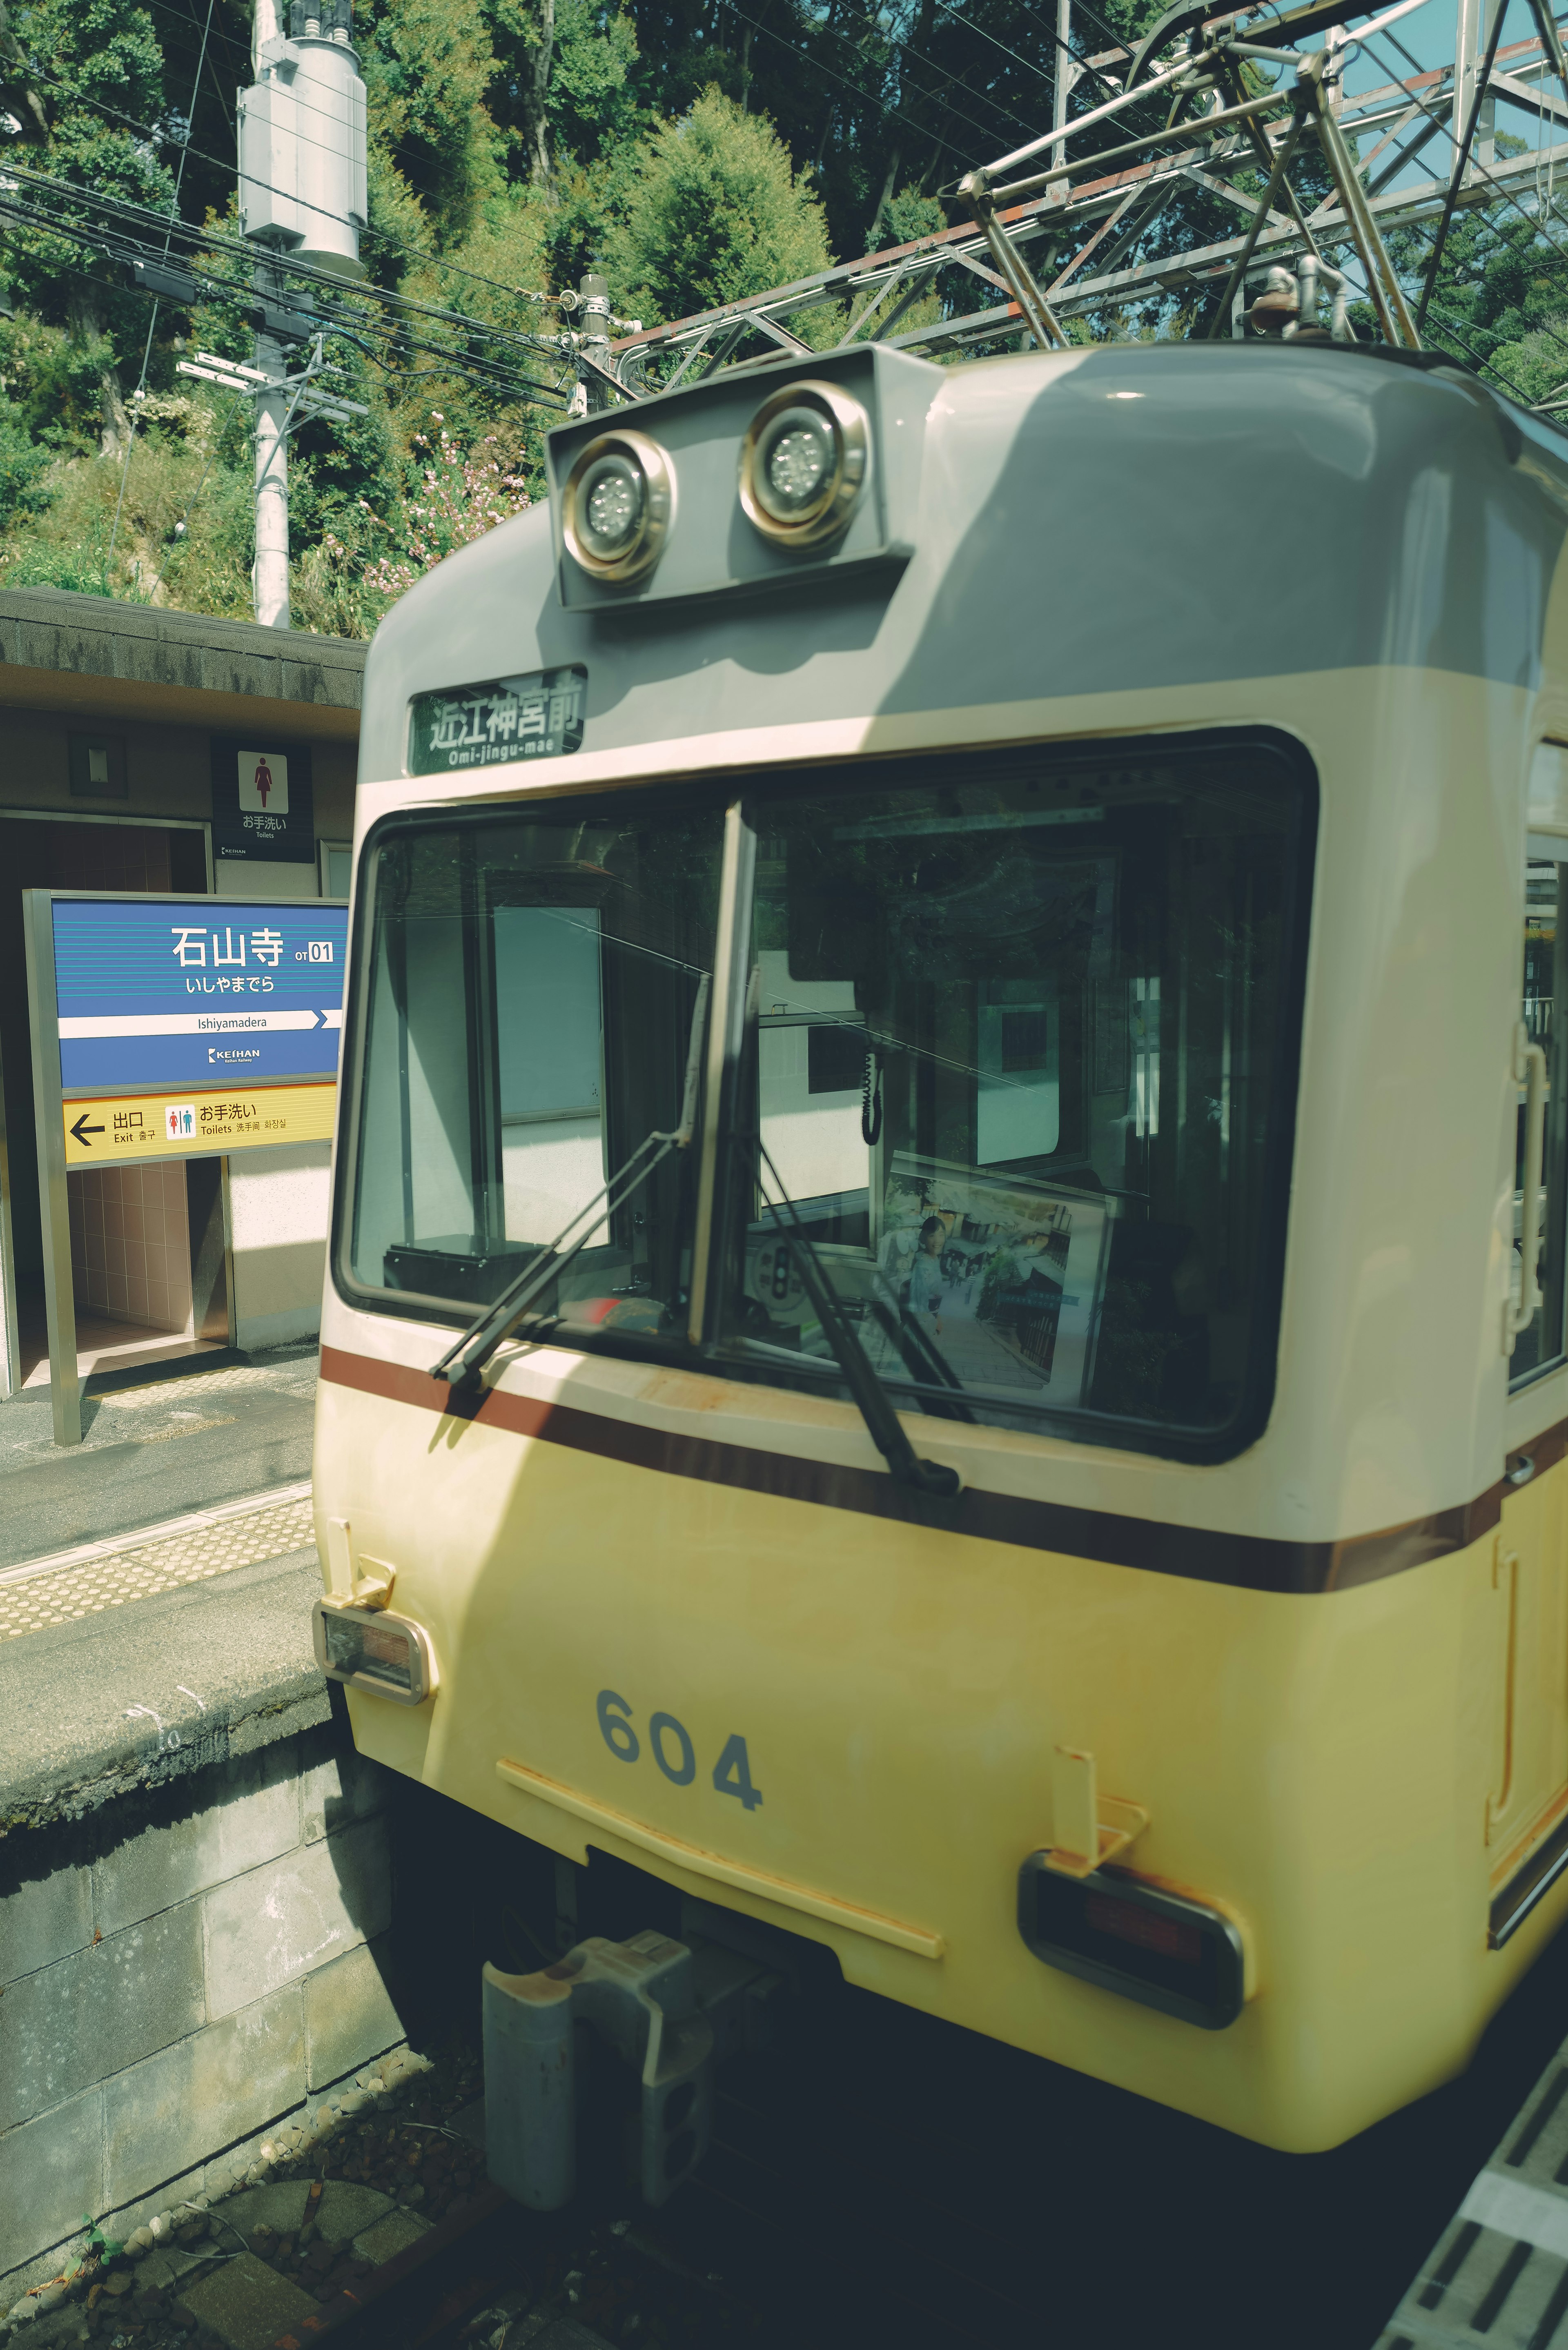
(946, 1319)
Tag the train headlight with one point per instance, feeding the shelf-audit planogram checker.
(618, 506)
(803, 463)
(388, 1654)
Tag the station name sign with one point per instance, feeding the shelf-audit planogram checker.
(167, 992)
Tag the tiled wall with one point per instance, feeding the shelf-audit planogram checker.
(131, 1244)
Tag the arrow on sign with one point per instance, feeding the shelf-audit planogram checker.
(82, 1129)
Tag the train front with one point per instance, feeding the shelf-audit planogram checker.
(875, 1332)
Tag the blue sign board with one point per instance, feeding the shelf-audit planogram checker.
(161, 991)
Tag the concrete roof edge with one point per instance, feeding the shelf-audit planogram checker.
(59, 630)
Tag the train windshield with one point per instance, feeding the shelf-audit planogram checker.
(530, 1006)
(1019, 1046)
(1025, 1065)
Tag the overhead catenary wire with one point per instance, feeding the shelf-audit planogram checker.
(946, 80)
(384, 316)
(880, 105)
(1532, 222)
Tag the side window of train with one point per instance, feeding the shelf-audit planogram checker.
(1540, 1342)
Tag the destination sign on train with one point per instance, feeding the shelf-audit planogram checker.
(184, 990)
(536, 717)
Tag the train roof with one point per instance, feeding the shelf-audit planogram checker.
(1126, 516)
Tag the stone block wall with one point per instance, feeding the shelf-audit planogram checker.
(177, 1973)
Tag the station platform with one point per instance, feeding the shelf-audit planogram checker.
(160, 1440)
(1499, 2273)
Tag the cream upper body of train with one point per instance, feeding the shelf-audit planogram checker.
(1096, 819)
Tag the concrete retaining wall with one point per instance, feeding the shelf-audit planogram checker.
(185, 1962)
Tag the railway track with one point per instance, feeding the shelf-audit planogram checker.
(878, 2179)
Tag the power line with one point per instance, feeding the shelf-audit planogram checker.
(315, 280)
(1482, 360)
(801, 58)
(230, 171)
(946, 80)
(304, 106)
(152, 321)
(483, 374)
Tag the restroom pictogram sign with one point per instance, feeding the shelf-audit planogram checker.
(262, 801)
(263, 783)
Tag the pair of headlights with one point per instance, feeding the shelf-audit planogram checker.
(803, 468)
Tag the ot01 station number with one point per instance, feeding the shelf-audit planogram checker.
(674, 1752)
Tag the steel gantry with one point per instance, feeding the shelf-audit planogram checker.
(1246, 92)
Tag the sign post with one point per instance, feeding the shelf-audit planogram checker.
(168, 1028)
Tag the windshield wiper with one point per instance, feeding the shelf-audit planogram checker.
(876, 1405)
(465, 1361)
(923, 1358)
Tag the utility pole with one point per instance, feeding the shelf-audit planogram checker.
(1063, 77)
(592, 341)
(302, 192)
(269, 580)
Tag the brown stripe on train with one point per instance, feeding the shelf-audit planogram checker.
(1245, 1562)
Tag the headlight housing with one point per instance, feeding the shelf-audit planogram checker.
(618, 506)
(803, 463)
(388, 1654)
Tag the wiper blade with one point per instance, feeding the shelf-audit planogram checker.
(876, 1405)
(464, 1361)
(923, 1358)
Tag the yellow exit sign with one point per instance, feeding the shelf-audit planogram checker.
(171, 1125)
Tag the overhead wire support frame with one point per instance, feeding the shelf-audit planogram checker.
(1038, 315)
(1130, 183)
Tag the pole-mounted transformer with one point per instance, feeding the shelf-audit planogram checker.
(302, 139)
(303, 193)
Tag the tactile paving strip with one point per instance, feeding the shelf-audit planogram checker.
(1499, 2273)
(30, 1601)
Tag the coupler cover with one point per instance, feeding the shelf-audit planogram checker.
(639, 1998)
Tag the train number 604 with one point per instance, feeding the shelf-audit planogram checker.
(673, 1751)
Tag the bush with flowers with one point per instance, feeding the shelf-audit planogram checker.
(454, 496)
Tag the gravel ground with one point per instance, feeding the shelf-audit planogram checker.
(349, 2189)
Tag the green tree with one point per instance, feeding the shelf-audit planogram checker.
(23, 464)
(104, 80)
(715, 212)
(427, 69)
(1501, 292)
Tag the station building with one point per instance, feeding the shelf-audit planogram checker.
(120, 729)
